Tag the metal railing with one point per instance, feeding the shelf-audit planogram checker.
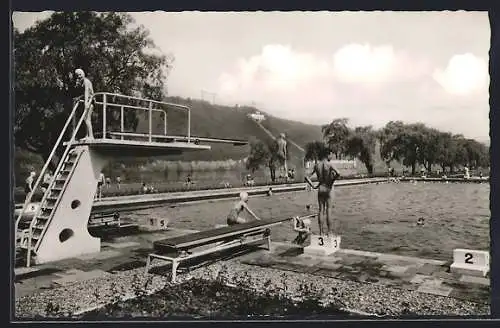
(109, 101)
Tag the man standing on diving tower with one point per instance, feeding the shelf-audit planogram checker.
(88, 96)
(282, 155)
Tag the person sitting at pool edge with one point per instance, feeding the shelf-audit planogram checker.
(234, 215)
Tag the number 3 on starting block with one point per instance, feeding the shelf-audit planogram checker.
(324, 241)
(323, 245)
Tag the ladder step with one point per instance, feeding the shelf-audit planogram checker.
(40, 225)
(55, 189)
(52, 198)
(43, 217)
(68, 165)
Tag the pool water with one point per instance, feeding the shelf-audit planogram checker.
(375, 217)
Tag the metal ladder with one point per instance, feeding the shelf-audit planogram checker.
(30, 239)
(50, 201)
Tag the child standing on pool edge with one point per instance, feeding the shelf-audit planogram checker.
(234, 215)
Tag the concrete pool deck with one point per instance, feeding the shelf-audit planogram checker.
(124, 253)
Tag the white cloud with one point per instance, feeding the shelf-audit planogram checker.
(278, 77)
(276, 67)
(283, 79)
(363, 63)
(464, 75)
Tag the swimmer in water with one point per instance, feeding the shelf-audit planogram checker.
(234, 217)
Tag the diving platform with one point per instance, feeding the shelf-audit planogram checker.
(136, 148)
(59, 226)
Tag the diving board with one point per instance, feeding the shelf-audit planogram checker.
(183, 248)
(135, 148)
(58, 228)
(180, 139)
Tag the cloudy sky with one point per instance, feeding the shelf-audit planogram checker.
(371, 67)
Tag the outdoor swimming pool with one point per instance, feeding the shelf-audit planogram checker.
(374, 217)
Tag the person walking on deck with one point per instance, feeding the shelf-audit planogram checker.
(88, 97)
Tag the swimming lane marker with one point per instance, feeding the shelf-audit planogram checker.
(154, 224)
(470, 262)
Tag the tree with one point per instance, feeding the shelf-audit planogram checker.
(336, 135)
(445, 150)
(116, 56)
(313, 150)
(477, 153)
(429, 148)
(259, 155)
(390, 141)
(362, 144)
(459, 155)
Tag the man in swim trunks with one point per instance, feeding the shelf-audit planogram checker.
(100, 183)
(282, 148)
(327, 174)
(234, 215)
(88, 99)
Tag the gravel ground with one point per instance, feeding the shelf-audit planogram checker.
(361, 298)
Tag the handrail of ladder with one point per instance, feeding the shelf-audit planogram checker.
(46, 165)
(61, 162)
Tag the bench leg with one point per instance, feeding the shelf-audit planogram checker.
(148, 263)
(175, 264)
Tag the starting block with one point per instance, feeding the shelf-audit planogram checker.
(470, 262)
(323, 245)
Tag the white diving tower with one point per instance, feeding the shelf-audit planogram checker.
(58, 230)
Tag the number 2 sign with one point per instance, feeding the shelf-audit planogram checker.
(468, 258)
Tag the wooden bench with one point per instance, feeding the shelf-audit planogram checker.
(183, 248)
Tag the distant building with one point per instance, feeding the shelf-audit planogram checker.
(257, 116)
